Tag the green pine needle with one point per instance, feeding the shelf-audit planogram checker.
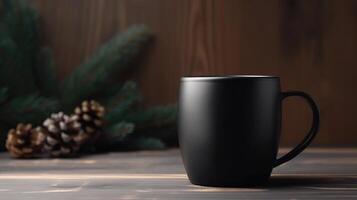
(121, 103)
(154, 117)
(30, 91)
(45, 73)
(3, 130)
(97, 72)
(119, 132)
(3, 95)
(143, 143)
(27, 109)
(18, 46)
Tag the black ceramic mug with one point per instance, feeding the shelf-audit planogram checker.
(229, 128)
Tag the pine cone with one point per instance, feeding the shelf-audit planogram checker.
(24, 141)
(90, 116)
(64, 135)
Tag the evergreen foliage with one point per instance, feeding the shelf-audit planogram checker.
(30, 90)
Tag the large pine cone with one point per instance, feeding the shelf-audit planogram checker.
(24, 141)
(64, 135)
(90, 116)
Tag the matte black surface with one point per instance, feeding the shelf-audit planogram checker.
(312, 132)
(229, 129)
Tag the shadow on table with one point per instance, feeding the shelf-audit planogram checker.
(311, 181)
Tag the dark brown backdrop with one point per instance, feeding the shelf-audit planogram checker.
(311, 44)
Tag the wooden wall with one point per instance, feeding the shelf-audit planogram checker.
(312, 45)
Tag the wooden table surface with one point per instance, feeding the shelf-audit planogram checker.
(316, 174)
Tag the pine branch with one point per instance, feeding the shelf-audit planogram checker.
(29, 109)
(95, 74)
(112, 137)
(166, 133)
(3, 135)
(118, 132)
(142, 143)
(154, 117)
(3, 95)
(18, 46)
(28, 72)
(20, 21)
(157, 122)
(121, 103)
(45, 73)
(108, 95)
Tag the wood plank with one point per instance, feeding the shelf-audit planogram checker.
(316, 174)
(310, 44)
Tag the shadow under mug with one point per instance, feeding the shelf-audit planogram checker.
(229, 128)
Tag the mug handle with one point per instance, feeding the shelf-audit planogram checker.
(312, 132)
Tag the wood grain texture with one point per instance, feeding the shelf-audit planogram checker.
(160, 175)
(310, 44)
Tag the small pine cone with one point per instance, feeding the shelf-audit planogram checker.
(90, 115)
(64, 135)
(24, 141)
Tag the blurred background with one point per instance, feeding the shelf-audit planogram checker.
(310, 44)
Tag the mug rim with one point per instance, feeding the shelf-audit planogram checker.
(215, 77)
